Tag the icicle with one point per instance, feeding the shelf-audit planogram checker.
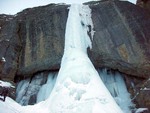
(116, 85)
(46, 89)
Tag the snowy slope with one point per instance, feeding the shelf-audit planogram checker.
(9, 106)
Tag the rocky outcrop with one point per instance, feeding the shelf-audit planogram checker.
(33, 40)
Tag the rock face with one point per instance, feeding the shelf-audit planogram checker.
(42, 31)
(36, 39)
(121, 38)
(140, 91)
(10, 46)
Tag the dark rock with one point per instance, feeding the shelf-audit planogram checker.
(10, 47)
(11, 92)
(121, 39)
(144, 4)
(4, 19)
(42, 31)
(143, 94)
(32, 99)
(140, 91)
(36, 39)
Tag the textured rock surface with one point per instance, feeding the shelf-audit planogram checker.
(144, 3)
(42, 31)
(140, 91)
(10, 46)
(142, 98)
(121, 39)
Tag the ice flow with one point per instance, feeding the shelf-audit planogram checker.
(78, 87)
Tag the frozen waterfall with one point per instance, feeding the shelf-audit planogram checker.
(78, 87)
(113, 80)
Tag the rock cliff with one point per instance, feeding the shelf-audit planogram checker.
(33, 40)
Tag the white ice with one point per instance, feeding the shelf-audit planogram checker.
(141, 110)
(117, 87)
(21, 91)
(46, 89)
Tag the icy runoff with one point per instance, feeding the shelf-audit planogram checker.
(78, 87)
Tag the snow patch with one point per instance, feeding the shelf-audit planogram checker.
(96, 4)
(140, 110)
(145, 89)
(6, 84)
(3, 59)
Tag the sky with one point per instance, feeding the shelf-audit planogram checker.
(14, 6)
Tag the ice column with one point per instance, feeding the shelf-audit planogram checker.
(78, 88)
(115, 83)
